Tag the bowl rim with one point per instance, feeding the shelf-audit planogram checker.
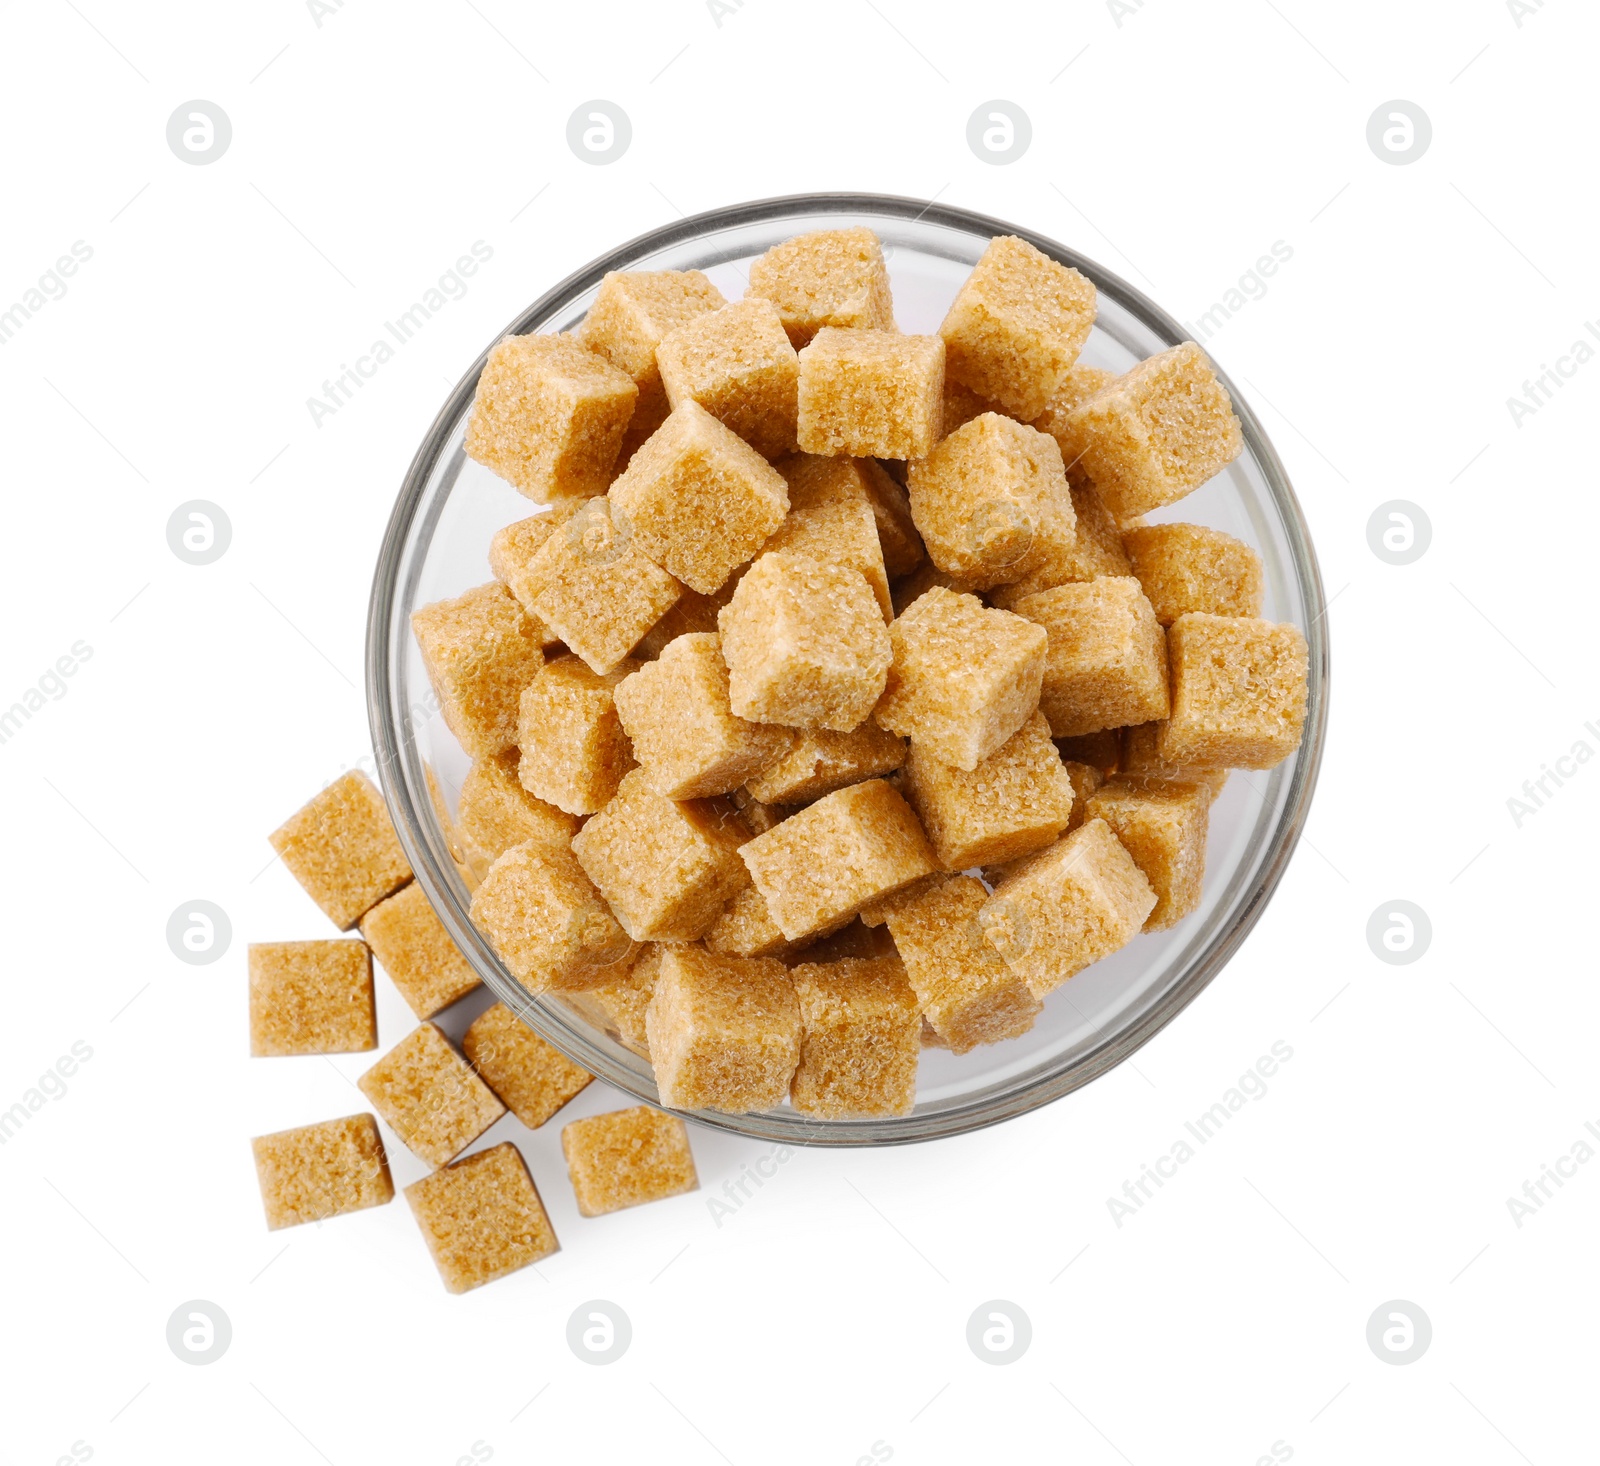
(393, 737)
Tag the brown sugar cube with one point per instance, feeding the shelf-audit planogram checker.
(430, 1098)
(805, 644)
(826, 862)
(1238, 692)
(1163, 827)
(633, 311)
(1078, 386)
(1188, 567)
(871, 394)
(1084, 548)
(685, 736)
(698, 499)
(596, 589)
(820, 762)
(1015, 802)
(574, 750)
(481, 649)
(511, 555)
(495, 812)
(1016, 326)
(532, 1079)
(746, 929)
(422, 961)
(627, 1158)
(1107, 661)
(667, 867)
(981, 498)
(962, 404)
(1073, 903)
(967, 993)
(831, 518)
(319, 1171)
(1102, 750)
(860, 1038)
(1141, 760)
(618, 1006)
(692, 612)
(1086, 778)
(724, 1031)
(548, 416)
(341, 846)
(738, 364)
(898, 539)
(1156, 432)
(546, 921)
(482, 1218)
(964, 678)
(833, 277)
(311, 998)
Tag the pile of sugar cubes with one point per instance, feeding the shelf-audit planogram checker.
(480, 1217)
(841, 702)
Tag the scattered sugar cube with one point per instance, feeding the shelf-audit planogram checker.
(1157, 432)
(964, 678)
(1016, 326)
(969, 996)
(805, 644)
(898, 539)
(685, 736)
(667, 867)
(429, 1097)
(422, 961)
(311, 998)
(871, 394)
(633, 312)
(596, 588)
(1188, 567)
(619, 1005)
(574, 750)
(1107, 661)
(698, 499)
(693, 612)
(1085, 778)
(860, 1038)
(832, 519)
(546, 921)
(482, 1218)
(341, 846)
(1238, 692)
(981, 498)
(627, 1158)
(495, 812)
(724, 1031)
(319, 1171)
(549, 416)
(1016, 801)
(532, 1079)
(832, 277)
(511, 556)
(480, 649)
(1073, 903)
(1163, 827)
(825, 862)
(1141, 759)
(821, 761)
(738, 364)
(1084, 548)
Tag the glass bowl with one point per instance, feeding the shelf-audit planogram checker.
(437, 545)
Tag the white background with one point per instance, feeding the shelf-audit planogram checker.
(828, 1315)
